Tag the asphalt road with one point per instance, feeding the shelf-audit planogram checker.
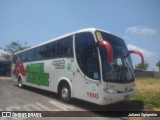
(13, 98)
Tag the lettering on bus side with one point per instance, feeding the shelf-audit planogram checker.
(59, 64)
(36, 74)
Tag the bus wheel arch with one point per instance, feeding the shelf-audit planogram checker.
(64, 91)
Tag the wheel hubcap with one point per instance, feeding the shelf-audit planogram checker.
(65, 93)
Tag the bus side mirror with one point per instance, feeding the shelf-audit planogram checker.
(136, 52)
(108, 49)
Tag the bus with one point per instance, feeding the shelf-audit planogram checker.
(90, 64)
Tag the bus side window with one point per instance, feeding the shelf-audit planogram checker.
(24, 56)
(52, 49)
(30, 56)
(87, 56)
(65, 47)
(39, 53)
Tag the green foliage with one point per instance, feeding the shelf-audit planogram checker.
(13, 47)
(149, 94)
(141, 66)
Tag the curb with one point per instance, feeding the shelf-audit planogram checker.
(5, 78)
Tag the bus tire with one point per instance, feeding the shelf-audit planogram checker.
(65, 93)
(20, 82)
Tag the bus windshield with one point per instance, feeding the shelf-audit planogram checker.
(120, 69)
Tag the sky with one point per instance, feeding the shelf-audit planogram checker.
(37, 21)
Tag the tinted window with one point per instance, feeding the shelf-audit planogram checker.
(24, 56)
(65, 47)
(86, 54)
(31, 54)
(39, 53)
(50, 50)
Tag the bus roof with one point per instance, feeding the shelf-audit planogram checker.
(66, 35)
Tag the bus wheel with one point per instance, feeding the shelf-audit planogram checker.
(20, 82)
(65, 93)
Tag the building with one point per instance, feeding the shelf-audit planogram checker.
(5, 66)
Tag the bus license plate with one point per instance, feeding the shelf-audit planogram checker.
(126, 97)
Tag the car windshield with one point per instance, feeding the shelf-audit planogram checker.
(121, 68)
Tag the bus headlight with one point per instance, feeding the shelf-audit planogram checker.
(111, 91)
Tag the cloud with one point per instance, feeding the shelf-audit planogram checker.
(1, 52)
(146, 53)
(141, 30)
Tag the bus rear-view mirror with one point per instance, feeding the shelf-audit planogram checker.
(135, 52)
(108, 48)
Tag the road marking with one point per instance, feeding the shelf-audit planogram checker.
(28, 106)
(12, 108)
(62, 106)
(46, 108)
(40, 107)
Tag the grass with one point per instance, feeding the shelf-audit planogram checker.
(148, 92)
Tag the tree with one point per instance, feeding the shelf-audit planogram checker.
(141, 66)
(13, 47)
(158, 65)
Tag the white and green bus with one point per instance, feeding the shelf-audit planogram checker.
(89, 64)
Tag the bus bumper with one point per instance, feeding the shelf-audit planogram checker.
(113, 98)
